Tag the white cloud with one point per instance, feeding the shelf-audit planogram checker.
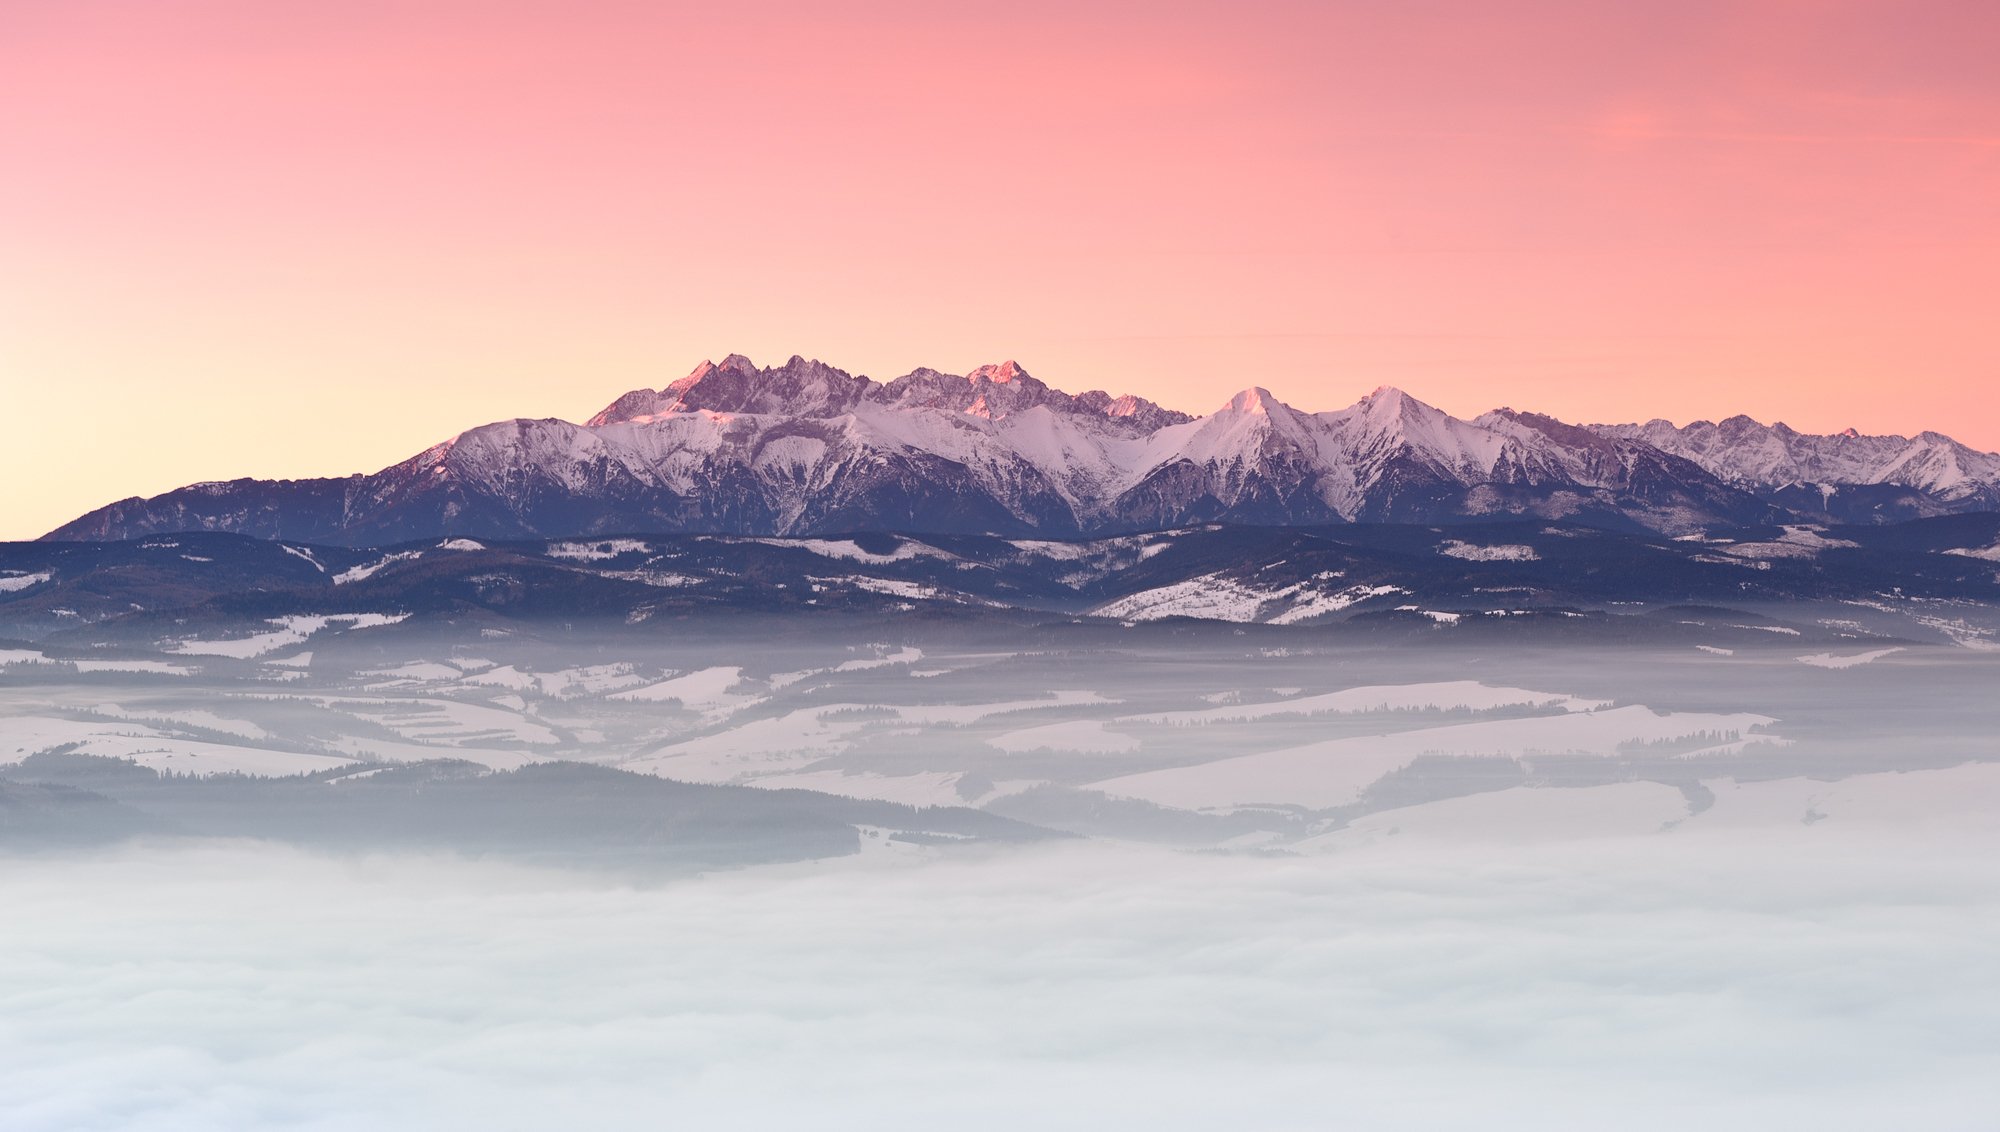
(1803, 976)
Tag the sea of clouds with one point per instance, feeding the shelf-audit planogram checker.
(1757, 980)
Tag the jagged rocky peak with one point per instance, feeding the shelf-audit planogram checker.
(994, 391)
(1740, 450)
(1015, 455)
(805, 387)
(1004, 373)
(802, 387)
(1142, 414)
(1254, 400)
(1575, 436)
(1004, 389)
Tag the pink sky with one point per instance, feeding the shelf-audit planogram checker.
(256, 237)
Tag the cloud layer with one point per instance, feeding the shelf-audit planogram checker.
(1777, 979)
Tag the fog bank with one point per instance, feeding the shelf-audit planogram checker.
(1802, 977)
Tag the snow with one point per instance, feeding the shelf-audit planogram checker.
(1210, 597)
(1766, 550)
(1503, 553)
(566, 683)
(1987, 553)
(924, 788)
(435, 721)
(1444, 695)
(1319, 604)
(890, 586)
(1005, 434)
(705, 690)
(906, 549)
(794, 454)
(1745, 451)
(461, 544)
(18, 582)
(1964, 796)
(1716, 650)
(361, 573)
(1060, 551)
(1215, 597)
(1961, 632)
(886, 660)
(759, 747)
(778, 681)
(1851, 660)
(154, 667)
(799, 434)
(661, 579)
(421, 671)
(962, 714)
(305, 554)
(506, 676)
(597, 551)
(291, 631)
(1087, 735)
(1800, 540)
(24, 735)
(773, 751)
(374, 749)
(186, 717)
(1335, 772)
(1806, 534)
(587, 680)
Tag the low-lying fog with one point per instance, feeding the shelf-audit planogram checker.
(1808, 978)
(1005, 879)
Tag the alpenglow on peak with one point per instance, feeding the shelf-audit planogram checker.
(806, 448)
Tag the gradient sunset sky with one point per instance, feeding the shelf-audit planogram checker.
(261, 237)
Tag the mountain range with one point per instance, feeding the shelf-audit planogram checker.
(804, 449)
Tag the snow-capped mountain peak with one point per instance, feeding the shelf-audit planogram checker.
(1000, 374)
(806, 448)
(1935, 472)
(802, 386)
(1255, 399)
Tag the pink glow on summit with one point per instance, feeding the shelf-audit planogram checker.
(283, 239)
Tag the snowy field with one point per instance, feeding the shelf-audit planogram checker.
(1186, 738)
(1378, 887)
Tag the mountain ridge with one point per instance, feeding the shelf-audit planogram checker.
(804, 448)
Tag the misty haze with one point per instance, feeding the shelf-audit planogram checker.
(869, 869)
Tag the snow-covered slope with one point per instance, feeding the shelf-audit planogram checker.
(804, 448)
(1842, 474)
